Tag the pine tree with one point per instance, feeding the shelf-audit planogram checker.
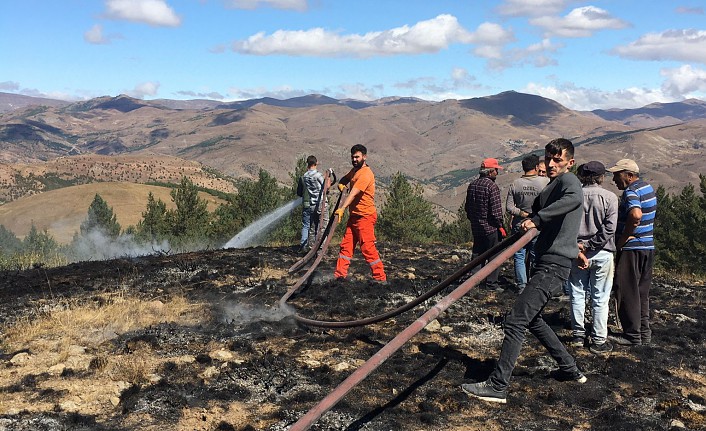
(154, 225)
(100, 218)
(190, 219)
(457, 231)
(9, 243)
(406, 216)
(39, 242)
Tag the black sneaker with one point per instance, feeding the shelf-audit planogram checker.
(621, 340)
(568, 376)
(601, 349)
(485, 391)
(577, 342)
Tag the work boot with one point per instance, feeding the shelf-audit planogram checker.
(622, 340)
(485, 391)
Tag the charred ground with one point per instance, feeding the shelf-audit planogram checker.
(247, 365)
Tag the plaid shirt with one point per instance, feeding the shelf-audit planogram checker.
(483, 207)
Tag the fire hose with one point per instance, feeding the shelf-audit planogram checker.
(396, 343)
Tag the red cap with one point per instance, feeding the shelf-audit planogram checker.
(490, 164)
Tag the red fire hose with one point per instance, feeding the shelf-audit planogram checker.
(396, 343)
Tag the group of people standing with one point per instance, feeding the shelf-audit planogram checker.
(581, 228)
(581, 225)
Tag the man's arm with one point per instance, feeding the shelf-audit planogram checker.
(496, 208)
(631, 223)
(570, 199)
(510, 202)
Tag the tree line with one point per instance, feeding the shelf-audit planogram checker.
(405, 216)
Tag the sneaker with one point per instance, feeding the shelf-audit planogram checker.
(568, 376)
(577, 342)
(485, 391)
(601, 349)
(621, 340)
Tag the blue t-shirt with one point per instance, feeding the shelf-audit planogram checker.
(638, 195)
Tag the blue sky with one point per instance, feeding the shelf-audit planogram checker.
(583, 54)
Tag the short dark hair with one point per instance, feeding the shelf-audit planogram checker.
(530, 162)
(359, 148)
(311, 161)
(558, 146)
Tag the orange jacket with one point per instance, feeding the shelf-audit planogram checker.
(362, 179)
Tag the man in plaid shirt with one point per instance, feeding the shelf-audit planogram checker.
(485, 212)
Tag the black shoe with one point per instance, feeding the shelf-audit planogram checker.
(601, 349)
(375, 282)
(568, 376)
(485, 391)
(577, 342)
(621, 340)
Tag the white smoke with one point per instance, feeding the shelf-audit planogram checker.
(97, 245)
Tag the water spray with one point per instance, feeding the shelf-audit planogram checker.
(254, 231)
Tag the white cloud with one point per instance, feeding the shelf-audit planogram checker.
(299, 5)
(282, 92)
(580, 22)
(680, 45)
(424, 37)
(538, 55)
(144, 89)
(533, 7)
(156, 13)
(95, 36)
(690, 10)
(682, 82)
(586, 99)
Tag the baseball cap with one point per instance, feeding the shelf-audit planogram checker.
(625, 165)
(593, 167)
(490, 163)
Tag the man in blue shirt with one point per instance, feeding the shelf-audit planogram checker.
(636, 253)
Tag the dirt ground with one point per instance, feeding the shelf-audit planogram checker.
(242, 363)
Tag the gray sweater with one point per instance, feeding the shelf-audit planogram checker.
(557, 213)
(600, 217)
(521, 195)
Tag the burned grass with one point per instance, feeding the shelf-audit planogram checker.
(207, 348)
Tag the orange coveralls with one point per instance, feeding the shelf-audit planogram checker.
(360, 228)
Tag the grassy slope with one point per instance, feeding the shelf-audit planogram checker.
(62, 211)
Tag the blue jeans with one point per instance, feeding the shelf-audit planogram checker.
(546, 281)
(307, 214)
(524, 259)
(596, 282)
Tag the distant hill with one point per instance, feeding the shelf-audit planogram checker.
(438, 144)
(519, 108)
(657, 113)
(62, 211)
(10, 102)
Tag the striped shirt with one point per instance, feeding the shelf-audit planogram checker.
(638, 195)
(483, 207)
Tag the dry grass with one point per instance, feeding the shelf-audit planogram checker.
(91, 323)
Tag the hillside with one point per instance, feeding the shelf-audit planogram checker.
(439, 144)
(61, 211)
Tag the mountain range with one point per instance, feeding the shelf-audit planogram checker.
(437, 144)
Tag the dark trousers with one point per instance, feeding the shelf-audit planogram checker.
(633, 278)
(546, 280)
(481, 243)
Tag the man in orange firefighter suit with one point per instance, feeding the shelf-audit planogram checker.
(360, 228)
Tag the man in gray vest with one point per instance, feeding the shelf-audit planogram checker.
(309, 188)
(518, 203)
